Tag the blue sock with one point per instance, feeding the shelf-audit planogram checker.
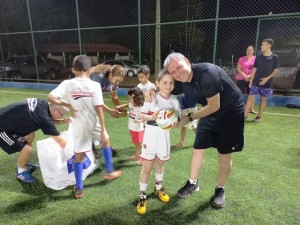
(78, 168)
(108, 162)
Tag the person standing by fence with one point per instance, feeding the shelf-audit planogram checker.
(266, 66)
(244, 69)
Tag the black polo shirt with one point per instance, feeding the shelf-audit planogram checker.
(27, 116)
(207, 81)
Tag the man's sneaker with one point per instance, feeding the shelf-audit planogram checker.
(218, 200)
(25, 177)
(32, 167)
(187, 189)
(141, 206)
(78, 193)
(257, 119)
(162, 195)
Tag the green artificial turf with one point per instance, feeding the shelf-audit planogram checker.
(263, 187)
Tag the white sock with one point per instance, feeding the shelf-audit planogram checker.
(220, 187)
(143, 188)
(158, 181)
(21, 170)
(193, 181)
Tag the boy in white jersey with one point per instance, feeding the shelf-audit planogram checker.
(156, 142)
(84, 98)
(143, 76)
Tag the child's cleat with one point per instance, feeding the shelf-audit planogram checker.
(78, 193)
(141, 206)
(32, 167)
(25, 177)
(114, 152)
(113, 175)
(179, 145)
(162, 195)
(257, 119)
(133, 157)
(139, 163)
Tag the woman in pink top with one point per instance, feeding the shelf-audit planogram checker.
(244, 69)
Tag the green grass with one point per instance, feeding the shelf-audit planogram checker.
(263, 187)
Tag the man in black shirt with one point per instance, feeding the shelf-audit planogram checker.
(221, 118)
(19, 121)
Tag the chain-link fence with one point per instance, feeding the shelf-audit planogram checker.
(216, 31)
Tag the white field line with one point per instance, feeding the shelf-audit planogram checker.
(281, 114)
(17, 92)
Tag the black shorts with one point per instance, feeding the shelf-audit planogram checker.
(243, 86)
(11, 142)
(225, 133)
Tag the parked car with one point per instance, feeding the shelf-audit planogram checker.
(23, 67)
(130, 67)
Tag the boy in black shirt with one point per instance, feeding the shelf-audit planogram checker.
(266, 66)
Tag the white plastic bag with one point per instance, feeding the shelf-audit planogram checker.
(57, 165)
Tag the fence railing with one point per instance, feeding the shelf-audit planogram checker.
(216, 31)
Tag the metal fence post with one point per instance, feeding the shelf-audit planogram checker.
(257, 35)
(139, 32)
(78, 27)
(2, 56)
(33, 43)
(157, 38)
(216, 31)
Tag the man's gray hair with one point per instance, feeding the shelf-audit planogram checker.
(60, 108)
(173, 55)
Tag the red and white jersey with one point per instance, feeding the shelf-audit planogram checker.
(159, 102)
(146, 87)
(134, 114)
(84, 95)
(156, 142)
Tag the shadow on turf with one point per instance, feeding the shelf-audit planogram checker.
(37, 189)
(28, 205)
(166, 214)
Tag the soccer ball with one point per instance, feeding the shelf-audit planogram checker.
(166, 119)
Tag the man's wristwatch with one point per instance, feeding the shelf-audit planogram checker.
(190, 116)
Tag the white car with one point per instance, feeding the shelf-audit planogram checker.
(130, 67)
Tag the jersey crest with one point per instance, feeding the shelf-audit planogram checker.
(32, 103)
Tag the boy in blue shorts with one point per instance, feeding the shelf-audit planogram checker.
(266, 66)
(84, 99)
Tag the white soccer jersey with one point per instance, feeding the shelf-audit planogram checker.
(134, 114)
(161, 103)
(146, 87)
(84, 95)
(156, 142)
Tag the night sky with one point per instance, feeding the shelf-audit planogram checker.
(233, 36)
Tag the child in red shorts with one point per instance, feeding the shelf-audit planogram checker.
(135, 124)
